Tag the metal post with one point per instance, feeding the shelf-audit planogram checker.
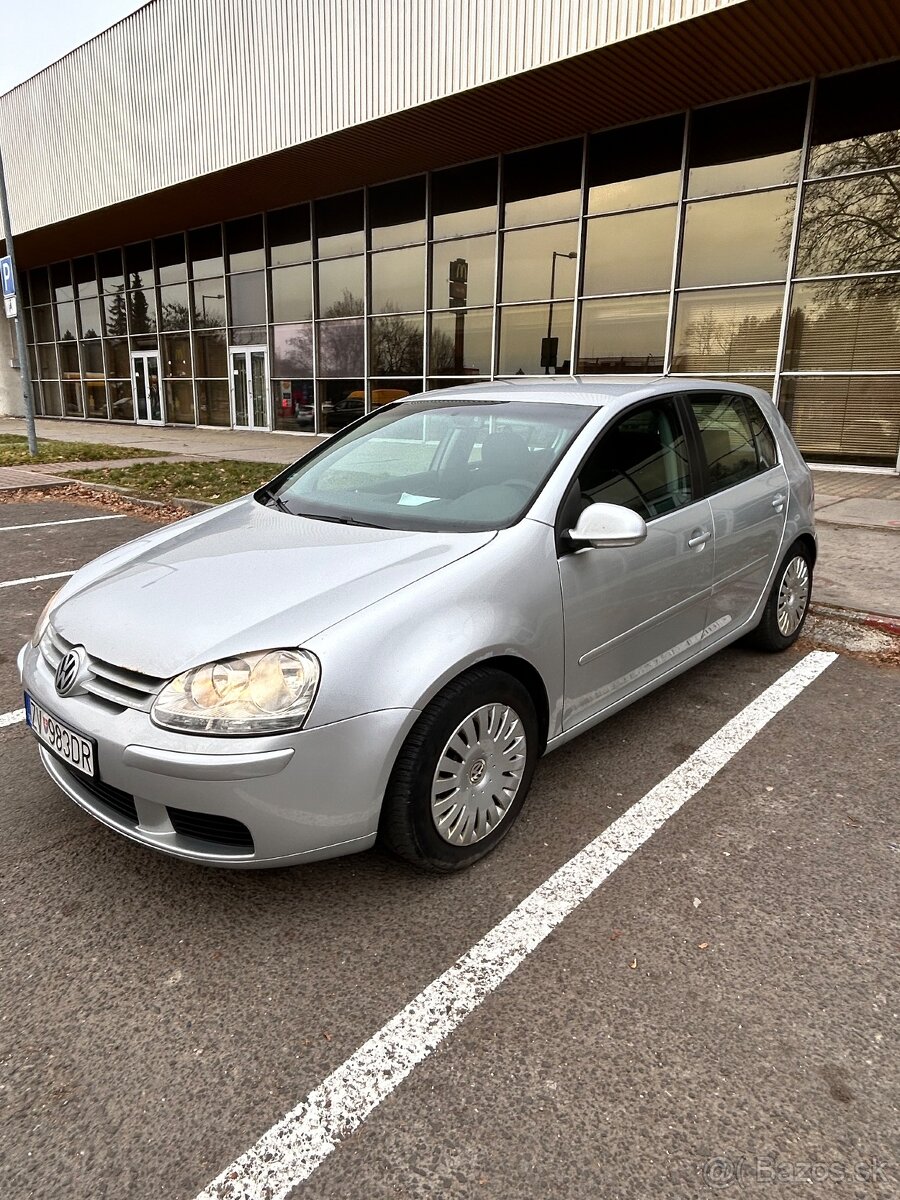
(21, 348)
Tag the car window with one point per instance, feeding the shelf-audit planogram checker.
(641, 463)
(736, 439)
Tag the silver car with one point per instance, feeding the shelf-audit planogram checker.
(381, 643)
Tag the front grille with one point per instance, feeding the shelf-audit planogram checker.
(116, 685)
(121, 803)
(207, 827)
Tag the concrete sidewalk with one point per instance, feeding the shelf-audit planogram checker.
(857, 512)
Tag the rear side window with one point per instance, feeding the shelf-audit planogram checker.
(736, 439)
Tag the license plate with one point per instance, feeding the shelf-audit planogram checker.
(65, 743)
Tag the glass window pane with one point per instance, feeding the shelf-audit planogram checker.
(341, 347)
(141, 305)
(249, 336)
(294, 405)
(213, 403)
(171, 260)
(208, 303)
(396, 345)
(397, 213)
(849, 226)
(39, 286)
(118, 394)
(176, 356)
(179, 403)
(856, 122)
(139, 261)
(339, 225)
(91, 324)
(42, 321)
(623, 335)
(205, 252)
(95, 399)
(61, 282)
(244, 243)
(735, 329)
(292, 293)
(113, 313)
(464, 199)
(92, 358)
(398, 280)
(522, 339)
(48, 367)
(292, 350)
(540, 264)
(52, 400)
(143, 342)
(340, 402)
(630, 253)
(386, 391)
(84, 272)
(68, 360)
(847, 324)
(543, 184)
(850, 419)
(289, 236)
(747, 143)
(727, 438)
(479, 256)
(461, 342)
(341, 287)
(118, 364)
(738, 240)
(210, 359)
(109, 264)
(247, 295)
(71, 394)
(174, 310)
(65, 319)
(634, 166)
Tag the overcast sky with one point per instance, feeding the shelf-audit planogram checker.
(35, 33)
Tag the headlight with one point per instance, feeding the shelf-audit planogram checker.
(256, 693)
(43, 620)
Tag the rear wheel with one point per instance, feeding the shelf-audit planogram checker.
(462, 775)
(788, 602)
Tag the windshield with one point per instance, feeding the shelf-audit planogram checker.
(433, 465)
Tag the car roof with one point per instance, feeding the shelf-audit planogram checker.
(596, 391)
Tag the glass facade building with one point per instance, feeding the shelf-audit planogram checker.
(755, 240)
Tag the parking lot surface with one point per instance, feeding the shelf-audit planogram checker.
(720, 1013)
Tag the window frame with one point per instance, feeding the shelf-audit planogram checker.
(708, 489)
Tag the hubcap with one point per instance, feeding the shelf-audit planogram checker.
(793, 596)
(478, 774)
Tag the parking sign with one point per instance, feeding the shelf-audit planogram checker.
(6, 273)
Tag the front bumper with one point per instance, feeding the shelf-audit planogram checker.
(302, 796)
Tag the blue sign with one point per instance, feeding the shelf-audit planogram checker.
(6, 272)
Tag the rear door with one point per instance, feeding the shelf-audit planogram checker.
(747, 488)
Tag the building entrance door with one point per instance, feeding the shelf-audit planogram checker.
(249, 404)
(148, 404)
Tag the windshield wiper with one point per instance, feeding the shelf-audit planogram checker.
(277, 502)
(340, 520)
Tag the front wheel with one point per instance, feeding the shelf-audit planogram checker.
(463, 772)
(788, 602)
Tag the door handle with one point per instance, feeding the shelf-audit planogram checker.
(778, 502)
(700, 538)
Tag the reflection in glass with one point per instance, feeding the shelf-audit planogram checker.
(845, 324)
(396, 345)
(339, 225)
(92, 358)
(342, 287)
(84, 273)
(141, 306)
(464, 199)
(51, 398)
(741, 239)
(208, 303)
(341, 347)
(636, 165)
(851, 225)
(629, 253)
(118, 395)
(623, 335)
(171, 261)
(205, 251)
(294, 405)
(42, 321)
(478, 255)
(386, 391)
(247, 295)
(540, 264)
(734, 329)
(71, 394)
(244, 243)
(289, 236)
(118, 364)
(113, 315)
(65, 319)
(856, 122)
(340, 402)
(292, 350)
(174, 312)
(179, 403)
(292, 293)
(747, 143)
(95, 399)
(61, 282)
(109, 264)
(91, 324)
(249, 336)
(461, 342)
(48, 367)
(845, 418)
(398, 280)
(39, 285)
(542, 184)
(210, 359)
(139, 261)
(213, 403)
(397, 213)
(176, 357)
(522, 333)
(68, 360)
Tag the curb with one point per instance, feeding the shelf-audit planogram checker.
(176, 501)
(882, 621)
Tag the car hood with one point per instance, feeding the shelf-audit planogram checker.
(244, 577)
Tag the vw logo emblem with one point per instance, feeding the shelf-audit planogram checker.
(67, 672)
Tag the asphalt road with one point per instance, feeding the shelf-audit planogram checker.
(722, 1010)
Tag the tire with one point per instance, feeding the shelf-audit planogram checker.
(796, 567)
(490, 779)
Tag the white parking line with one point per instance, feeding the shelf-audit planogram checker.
(36, 579)
(291, 1150)
(12, 718)
(68, 521)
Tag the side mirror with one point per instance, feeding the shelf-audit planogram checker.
(609, 525)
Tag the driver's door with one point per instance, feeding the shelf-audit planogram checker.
(634, 612)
